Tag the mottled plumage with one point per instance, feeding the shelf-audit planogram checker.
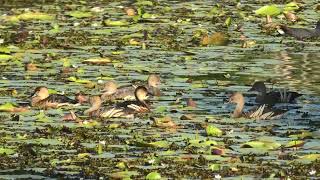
(112, 92)
(42, 99)
(124, 109)
(261, 112)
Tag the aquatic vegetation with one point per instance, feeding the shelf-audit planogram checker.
(203, 51)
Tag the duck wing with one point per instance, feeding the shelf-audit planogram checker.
(283, 96)
(264, 112)
(58, 98)
(300, 33)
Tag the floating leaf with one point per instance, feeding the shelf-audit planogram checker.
(5, 50)
(160, 144)
(124, 174)
(80, 81)
(105, 60)
(228, 22)
(261, 144)
(296, 143)
(311, 157)
(35, 16)
(80, 14)
(271, 10)
(7, 107)
(215, 167)
(7, 151)
(84, 155)
(109, 22)
(291, 6)
(153, 176)
(144, 3)
(213, 131)
(217, 151)
(303, 135)
(5, 57)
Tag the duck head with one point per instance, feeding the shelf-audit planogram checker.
(141, 93)
(153, 80)
(40, 92)
(259, 86)
(110, 88)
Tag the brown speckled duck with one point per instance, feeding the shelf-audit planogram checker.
(112, 92)
(273, 97)
(42, 99)
(125, 109)
(262, 112)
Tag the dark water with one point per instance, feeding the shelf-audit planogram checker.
(46, 146)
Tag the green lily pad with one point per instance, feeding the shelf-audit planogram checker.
(311, 157)
(271, 10)
(109, 22)
(160, 144)
(5, 57)
(295, 143)
(80, 14)
(213, 131)
(7, 151)
(80, 81)
(261, 145)
(292, 6)
(153, 176)
(124, 174)
(105, 60)
(35, 16)
(7, 107)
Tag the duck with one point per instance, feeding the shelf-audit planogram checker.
(112, 92)
(262, 112)
(42, 99)
(127, 109)
(300, 33)
(273, 97)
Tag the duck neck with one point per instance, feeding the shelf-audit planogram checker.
(95, 106)
(238, 110)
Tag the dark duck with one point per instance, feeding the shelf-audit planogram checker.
(273, 97)
(300, 33)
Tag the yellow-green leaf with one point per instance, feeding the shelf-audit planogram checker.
(271, 10)
(213, 131)
(80, 14)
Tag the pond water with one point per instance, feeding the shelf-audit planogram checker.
(40, 144)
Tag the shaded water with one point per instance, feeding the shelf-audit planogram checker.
(47, 146)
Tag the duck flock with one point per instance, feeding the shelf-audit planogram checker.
(128, 101)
